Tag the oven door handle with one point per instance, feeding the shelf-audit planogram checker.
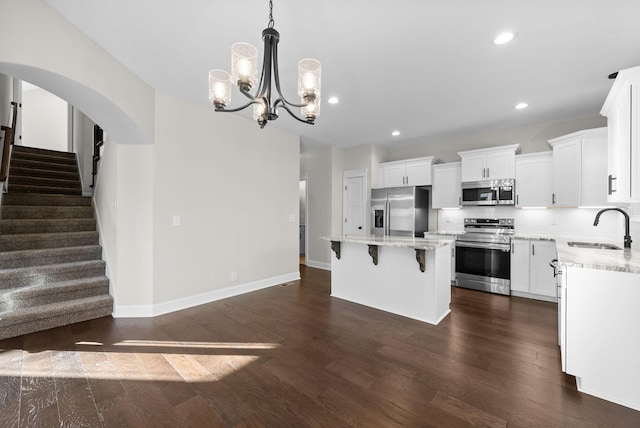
(488, 245)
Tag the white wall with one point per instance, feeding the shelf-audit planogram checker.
(532, 138)
(44, 120)
(318, 167)
(40, 46)
(124, 208)
(234, 187)
(233, 184)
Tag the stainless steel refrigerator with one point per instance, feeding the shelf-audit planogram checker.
(400, 211)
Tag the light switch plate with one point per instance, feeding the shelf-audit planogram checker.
(176, 220)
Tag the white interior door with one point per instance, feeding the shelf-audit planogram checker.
(354, 203)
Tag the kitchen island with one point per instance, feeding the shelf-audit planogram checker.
(404, 276)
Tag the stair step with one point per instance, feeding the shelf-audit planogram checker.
(43, 156)
(20, 171)
(49, 256)
(44, 317)
(35, 241)
(43, 182)
(49, 200)
(45, 212)
(34, 275)
(47, 152)
(34, 164)
(19, 188)
(43, 294)
(17, 226)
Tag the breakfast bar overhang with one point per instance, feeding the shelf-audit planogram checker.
(405, 276)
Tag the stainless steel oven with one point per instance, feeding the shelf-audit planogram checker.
(483, 255)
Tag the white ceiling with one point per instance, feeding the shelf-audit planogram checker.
(427, 68)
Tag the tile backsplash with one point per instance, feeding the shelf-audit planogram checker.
(569, 222)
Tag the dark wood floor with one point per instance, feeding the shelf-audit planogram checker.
(293, 356)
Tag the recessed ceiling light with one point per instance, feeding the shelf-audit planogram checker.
(333, 100)
(521, 106)
(505, 37)
(395, 133)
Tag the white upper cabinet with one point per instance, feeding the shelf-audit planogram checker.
(410, 172)
(533, 180)
(446, 190)
(622, 109)
(489, 164)
(392, 175)
(580, 169)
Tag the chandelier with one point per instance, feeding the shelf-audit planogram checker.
(244, 74)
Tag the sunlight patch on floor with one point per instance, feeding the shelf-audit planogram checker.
(174, 361)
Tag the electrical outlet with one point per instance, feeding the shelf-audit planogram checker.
(234, 276)
(176, 220)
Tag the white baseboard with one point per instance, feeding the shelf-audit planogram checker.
(318, 265)
(143, 311)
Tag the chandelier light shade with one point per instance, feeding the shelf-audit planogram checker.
(219, 88)
(244, 74)
(309, 71)
(244, 65)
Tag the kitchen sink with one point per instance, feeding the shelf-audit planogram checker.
(594, 245)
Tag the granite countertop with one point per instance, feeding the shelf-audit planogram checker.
(451, 233)
(625, 260)
(391, 241)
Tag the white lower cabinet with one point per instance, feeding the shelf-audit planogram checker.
(601, 340)
(531, 275)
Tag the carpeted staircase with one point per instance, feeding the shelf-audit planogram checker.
(51, 268)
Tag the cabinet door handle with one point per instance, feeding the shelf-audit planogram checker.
(484, 172)
(611, 189)
(459, 200)
(553, 198)
(517, 199)
(488, 173)
(533, 249)
(512, 248)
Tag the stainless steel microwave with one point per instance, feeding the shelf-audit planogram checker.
(490, 192)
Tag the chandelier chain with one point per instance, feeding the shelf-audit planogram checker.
(271, 22)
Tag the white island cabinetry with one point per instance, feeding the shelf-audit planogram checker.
(404, 276)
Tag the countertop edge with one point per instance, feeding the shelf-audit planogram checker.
(399, 242)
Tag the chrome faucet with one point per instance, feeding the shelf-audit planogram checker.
(627, 237)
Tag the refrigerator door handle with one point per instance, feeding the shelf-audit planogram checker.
(387, 209)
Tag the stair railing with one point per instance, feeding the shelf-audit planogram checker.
(98, 141)
(9, 136)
